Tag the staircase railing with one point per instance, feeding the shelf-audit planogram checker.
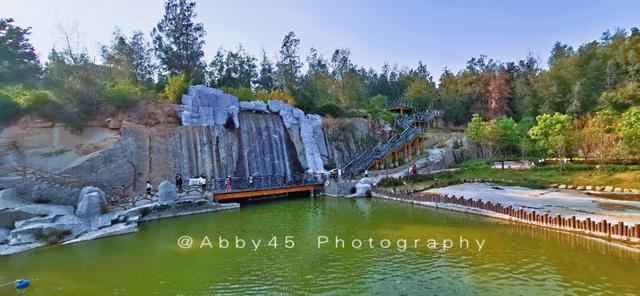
(360, 163)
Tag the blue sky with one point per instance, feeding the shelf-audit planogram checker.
(440, 33)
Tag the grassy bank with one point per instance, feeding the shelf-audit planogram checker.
(538, 177)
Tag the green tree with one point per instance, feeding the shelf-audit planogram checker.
(178, 40)
(235, 70)
(629, 130)
(508, 135)
(289, 65)
(552, 133)
(266, 79)
(476, 129)
(18, 60)
(420, 92)
(176, 86)
(526, 145)
(129, 59)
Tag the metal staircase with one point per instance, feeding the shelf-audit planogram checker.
(362, 162)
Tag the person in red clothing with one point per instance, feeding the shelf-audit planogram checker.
(228, 188)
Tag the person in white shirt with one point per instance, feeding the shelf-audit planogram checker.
(149, 188)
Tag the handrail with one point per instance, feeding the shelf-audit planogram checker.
(63, 180)
(261, 182)
(359, 164)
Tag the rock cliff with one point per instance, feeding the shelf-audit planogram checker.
(219, 137)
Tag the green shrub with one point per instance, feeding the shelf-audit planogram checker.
(9, 109)
(243, 93)
(176, 86)
(390, 182)
(380, 113)
(122, 94)
(378, 101)
(332, 109)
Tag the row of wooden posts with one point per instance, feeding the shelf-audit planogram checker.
(603, 228)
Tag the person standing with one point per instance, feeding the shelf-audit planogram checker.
(250, 181)
(149, 189)
(203, 182)
(228, 188)
(179, 182)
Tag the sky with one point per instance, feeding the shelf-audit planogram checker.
(439, 33)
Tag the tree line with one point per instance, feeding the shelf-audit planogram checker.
(599, 76)
(603, 136)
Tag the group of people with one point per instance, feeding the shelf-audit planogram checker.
(202, 181)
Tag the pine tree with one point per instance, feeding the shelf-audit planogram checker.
(178, 40)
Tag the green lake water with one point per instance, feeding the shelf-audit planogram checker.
(515, 259)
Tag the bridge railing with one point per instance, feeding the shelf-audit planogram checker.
(219, 185)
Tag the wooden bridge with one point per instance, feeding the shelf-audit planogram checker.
(260, 187)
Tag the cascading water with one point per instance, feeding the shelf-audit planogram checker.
(266, 148)
(261, 146)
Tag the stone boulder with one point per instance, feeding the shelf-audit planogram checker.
(362, 189)
(368, 181)
(63, 227)
(9, 217)
(92, 202)
(167, 192)
(275, 105)
(208, 106)
(254, 106)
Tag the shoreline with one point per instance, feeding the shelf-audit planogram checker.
(124, 228)
(615, 240)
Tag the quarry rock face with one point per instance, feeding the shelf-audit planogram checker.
(220, 137)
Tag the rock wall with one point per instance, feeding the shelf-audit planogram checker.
(346, 138)
(219, 137)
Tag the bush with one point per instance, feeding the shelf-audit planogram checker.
(332, 110)
(378, 101)
(122, 94)
(243, 93)
(390, 182)
(380, 113)
(28, 99)
(176, 86)
(9, 109)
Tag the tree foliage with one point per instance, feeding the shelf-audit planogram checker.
(18, 60)
(178, 41)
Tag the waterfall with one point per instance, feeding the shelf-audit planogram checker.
(266, 148)
(261, 146)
